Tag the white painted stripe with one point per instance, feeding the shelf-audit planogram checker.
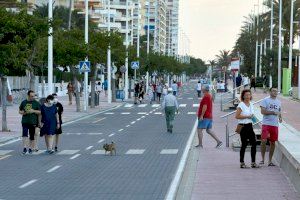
(102, 140)
(132, 122)
(109, 113)
(142, 105)
(4, 152)
(125, 113)
(169, 151)
(182, 105)
(102, 152)
(138, 119)
(99, 120)
(127, 125)
(88, 148)
(3, 157)
(179, 97)
(28, 183)
(155, 105)
(75, 156)
(190, 98)
(157, 113)
(110, 135)
(68, 152)
(179, 172)
(120, 130)
(191, 113)
(10, 142)
(142, 113)
(53, 169)
(128, 105)
(143, 117)
(195, 105)
(135, 151)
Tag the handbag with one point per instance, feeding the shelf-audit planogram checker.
(239, 128)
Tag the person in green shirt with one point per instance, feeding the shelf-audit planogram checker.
(30, 110)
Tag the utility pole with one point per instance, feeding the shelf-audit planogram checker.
(291, 35)
(271, 40)
(279, 47)
(50, 49)
(256, 45)
(126, 59)
(109, 97)
(148, 44)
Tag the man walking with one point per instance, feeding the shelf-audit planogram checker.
(170, 105)
(29, 109)
(174, 88)
(271, 110)
(205, 117)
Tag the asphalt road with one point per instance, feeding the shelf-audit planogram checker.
(145, 164)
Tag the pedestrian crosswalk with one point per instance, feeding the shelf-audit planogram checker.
(127, 105)
(89, 151)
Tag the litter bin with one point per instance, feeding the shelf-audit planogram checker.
(96, 99)
(120, 94)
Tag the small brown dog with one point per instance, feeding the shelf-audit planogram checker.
(110, 148)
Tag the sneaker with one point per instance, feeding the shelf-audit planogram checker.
(29, 151)
(199, 146)
(55, 149)
(219, 144)
(24, 151)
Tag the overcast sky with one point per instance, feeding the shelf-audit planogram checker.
(212, 25)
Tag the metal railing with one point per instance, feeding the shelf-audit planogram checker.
(233, 91)
(227, 122)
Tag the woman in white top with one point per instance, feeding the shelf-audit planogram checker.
(244, 115)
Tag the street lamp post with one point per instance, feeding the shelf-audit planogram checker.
(291, 34)
(50, 49)
(279, 47)
(271, 39)
(148, 43)
(109, 96)
(126, 59)
(256, 44)
(86, 39)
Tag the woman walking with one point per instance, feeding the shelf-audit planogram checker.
(70, 89)
(49, 122)
(244, 115)
(253, 83)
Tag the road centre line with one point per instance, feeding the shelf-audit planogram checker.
(110, 135)
(125, 113)
(75, 156)
(102, 140)
(120, 130)
(28, 183)
(133, 122)
(127, 125)
(53, 168)
(88, 148)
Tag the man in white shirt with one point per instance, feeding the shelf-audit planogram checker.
(170, 105)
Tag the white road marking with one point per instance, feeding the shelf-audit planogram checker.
(135, 151)
(127, 125)
(190, 98)
(110, 135)
(182, 105)
(138, 119)
(10, 142)
(155, 105)
(4, 152)
(3, 157)
(102, 152)
(120, 130)
(125, 113)
(102, 140)
(53, 169)
(142, 113)
(191, 113)
(143, 117)
(99, 120)
(132, 122)
(128, 105)
(68, 152)
(75, 156)
(179, 97)
(157, 113)
(142, 105)
(28, 183)
(195, 105)
(88, 148)
(169, 151)
(109, 113)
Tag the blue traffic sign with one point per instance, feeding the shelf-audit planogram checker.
(84, 66)
(135, 65)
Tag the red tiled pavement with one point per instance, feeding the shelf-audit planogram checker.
(218, 176)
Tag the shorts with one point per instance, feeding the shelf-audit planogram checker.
(205, 124)
(269, 132)
(28, 128)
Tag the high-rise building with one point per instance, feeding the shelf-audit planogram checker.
(172, 27)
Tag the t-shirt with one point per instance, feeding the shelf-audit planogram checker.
(60, 110)
(174, 87)
(32, 118)
(198, 87)
(207, 100)
(271, 105)
(246, 110)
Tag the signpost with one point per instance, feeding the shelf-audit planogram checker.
(235, 67)
(85, 67)
(135, 65)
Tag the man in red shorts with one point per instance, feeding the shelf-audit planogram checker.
(271, 110)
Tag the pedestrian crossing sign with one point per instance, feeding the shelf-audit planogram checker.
(135, 65)
(85, 66)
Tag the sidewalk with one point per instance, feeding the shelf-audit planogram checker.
(215, 173)
(70, 114)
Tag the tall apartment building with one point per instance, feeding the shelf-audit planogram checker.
(172, 27)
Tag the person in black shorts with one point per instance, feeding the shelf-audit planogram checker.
(136, 92)
(60, 110)
(29, 109)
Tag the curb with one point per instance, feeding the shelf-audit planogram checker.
(17, 138)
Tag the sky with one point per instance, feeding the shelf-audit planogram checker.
(212, 25)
